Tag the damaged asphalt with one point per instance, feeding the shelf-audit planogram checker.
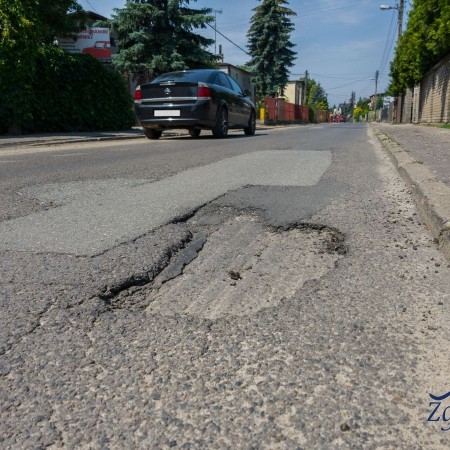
(103, 352)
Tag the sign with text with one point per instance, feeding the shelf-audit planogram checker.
(93, 41)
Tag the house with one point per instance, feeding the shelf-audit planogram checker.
(294, 92)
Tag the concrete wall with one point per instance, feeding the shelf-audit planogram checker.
(407, 112)
(428, 102)
(434, 94)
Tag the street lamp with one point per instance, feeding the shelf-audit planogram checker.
(400, 8)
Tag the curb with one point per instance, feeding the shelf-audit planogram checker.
(37, 142)
(432, 197)
(69, 140)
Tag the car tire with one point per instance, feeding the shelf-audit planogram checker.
(221, 128)
(250, 130)
(152, 134)
(194, 132)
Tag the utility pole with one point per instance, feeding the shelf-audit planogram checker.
(306, 87)
(377, 74)
(401, 8)
(216, 11)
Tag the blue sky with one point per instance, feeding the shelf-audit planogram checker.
(341, 43)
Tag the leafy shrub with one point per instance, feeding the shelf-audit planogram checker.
(73, 92)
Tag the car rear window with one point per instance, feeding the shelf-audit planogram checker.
(203, 76)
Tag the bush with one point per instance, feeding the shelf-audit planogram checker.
(73, 92)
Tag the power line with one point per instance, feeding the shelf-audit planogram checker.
(229, 40)
(347, 84)
(90, 4)
(388, 46)
(217, 31)
(325, 8)
(337, 76)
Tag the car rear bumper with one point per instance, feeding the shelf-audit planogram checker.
(197, 115)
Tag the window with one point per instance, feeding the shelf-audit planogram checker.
(223, 80)
(236, 87)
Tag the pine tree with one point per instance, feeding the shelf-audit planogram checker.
(318, 97)
(270, 47)
(156, 36)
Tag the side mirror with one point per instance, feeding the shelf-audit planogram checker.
(247, 93)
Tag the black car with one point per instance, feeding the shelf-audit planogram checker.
(195, 100)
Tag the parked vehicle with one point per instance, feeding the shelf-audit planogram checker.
(194, 100)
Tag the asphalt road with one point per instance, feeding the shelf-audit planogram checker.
(276, 291)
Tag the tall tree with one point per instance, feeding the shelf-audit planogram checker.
(270, 46)
(425, 41)
(59, 17)
(156, 36)
(318, 97)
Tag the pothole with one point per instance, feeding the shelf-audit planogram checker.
(245, 267)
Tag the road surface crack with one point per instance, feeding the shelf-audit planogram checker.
(168, 267)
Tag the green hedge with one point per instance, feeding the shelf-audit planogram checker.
(70, 92)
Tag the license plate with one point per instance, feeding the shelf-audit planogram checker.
(167, 113)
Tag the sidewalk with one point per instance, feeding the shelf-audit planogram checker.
(66, 138)
(33, 140)
(422, 157)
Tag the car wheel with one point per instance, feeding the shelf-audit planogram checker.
(194, 132)
(152, 134)
(250, 130)
(221, 128)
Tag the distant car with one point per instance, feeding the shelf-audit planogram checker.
(100, 50)
(195, 100)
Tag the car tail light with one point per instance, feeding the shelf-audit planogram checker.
(138, 93)
(203, 92)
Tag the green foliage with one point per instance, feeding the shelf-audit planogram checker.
(425, 42)
(363, 104)
(379, 102)
(270, 48)
(317, 97)
(155, 36)
(59, 17)
(358, 112)
(44, 89)
(19, 38)
(75, 92)
(362, 108)
(45, 19)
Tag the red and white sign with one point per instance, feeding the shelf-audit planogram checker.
(93, 41)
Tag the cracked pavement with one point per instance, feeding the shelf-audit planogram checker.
(327, 327)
